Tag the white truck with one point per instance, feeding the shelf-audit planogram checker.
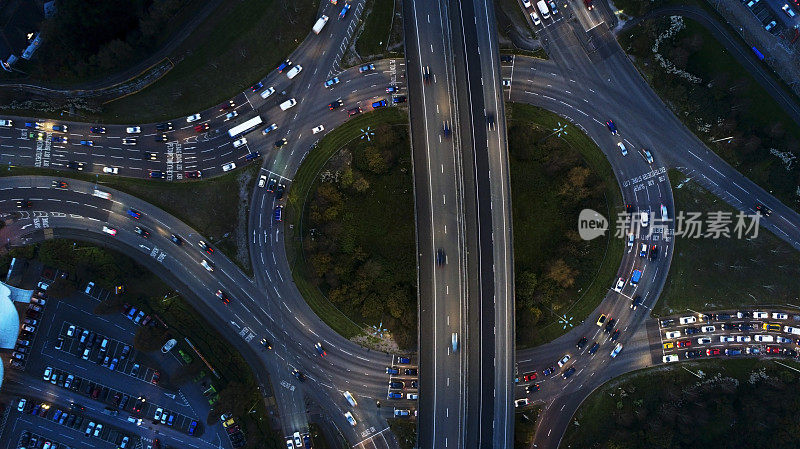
(320, 24)
(543, 9)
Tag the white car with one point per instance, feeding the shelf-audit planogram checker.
(412, 396)
(743, 338)
(318, 129)
(86, 353)
(192, 118)
(725, 339)
(47, 373)
(111, 170)
(791, 330)
(521, 402)
(157, 416)
(563, 360)
(71, 330)
(631, 238)
(788, 10)
(6, 123)
(267, 92)
(703, 340)
(109, 231)
(616, 350)
(97, 429)
(21, 404)
(622, 148)
(526, 3)
(229, 166)
(289, 444)
(207, 265)
(760, 315)
(239, 142)
(294, 71)
(89, 287)
(708, 329)
(350, 419)
(780, 339)
(779, 316)
(664, 215)
(687, 320)
(620, 285)
(764, 338)
(670, 358)
(262, 181)
(673, 334)
(535, 18)
(647, 155)
(645, 219)
(133, 130)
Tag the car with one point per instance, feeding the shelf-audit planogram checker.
(21, 404)
(687, 319)
(563, 360)
(231, 115)
(708, 329)
(788, 10)
(97, 130)
(109, 231)
(294, 71)
(279, 191)
(779, 316)
(569, 372)
(350, 419)
(156, 378)
(670, 358)
(609, 326)
(636, 302)
(653, 252)
(647, 155)
(344, 10)
(223, 297)
(615, 335)
(441, 257)
(770, 25)
(745, 327)
(354, 111)
(601, 319)
(552, 6)
(192, 118)
(684, 343)
(267, 92)
(6, 123)
(631, 239)
(529, 377)
(622, 148)
(133, 213)
(773, 350)
(521, 402)
(378, 104)
(128, 141)
(779, 339)
(336, 104)
(58, 139)
(195, 174)
(158, 138)
(262, 180)
(726, 339)
(33, 125)
(664, 214)
(712, 351)
(764, 338)
(704, 340)
(269, 129)
(366, 68)
(284, 65)
(155, 174)
(158, 413)
(673, 334)
(643, 250)
(332, 82)
(398, 99)
(535, 18)
(89, 429)
(71, 330)
(202, 127)
(320, 349)
(59, 343)
(771, 327)
(390, 89)
(192, 427)
(760, 315)
(281, 142)
(59, 184)
(204, 246)
(68, 381)
(28, 327)
(47, 373)
(133, 130)
(255, 87)
(426, 75)
(317, 129)
(548, 371)
(620, 285)
(394, 395)
(208, 266)
(582, 342)
(612, 127)
(87, 143)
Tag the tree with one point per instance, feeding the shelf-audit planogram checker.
(149, 339)
(61, 288)
(560, 273)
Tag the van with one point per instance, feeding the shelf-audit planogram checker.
(239, 142)
(294, 71)
(288, 104)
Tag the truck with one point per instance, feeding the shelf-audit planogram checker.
(543, 9)
(320, 24)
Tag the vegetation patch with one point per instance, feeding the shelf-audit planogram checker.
(405, 431)
(351, 218)
(525, 425)
(717, 99)
(216, 207)
(734, 403)
(725, 273)
(553, 178)
(376, 32)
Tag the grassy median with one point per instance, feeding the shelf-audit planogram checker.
(350, 220)
(552, 179)
(726, 273)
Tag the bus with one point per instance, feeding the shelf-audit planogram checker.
(245, 127)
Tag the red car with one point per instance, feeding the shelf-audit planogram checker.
(193, 174)
(156, 378)
(712, 351)
(773, 350)
(202, 127)
(529, 377)
(684, 343)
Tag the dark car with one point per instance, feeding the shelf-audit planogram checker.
(569, 372)
(76, 165)
(164, 126)
(223, 297)
(582, 342)
(271, 185)
(594, 347)
(615, 335)
(277, 214)
(636, 302)
(354, 111)
(532, 388)
(141, 232)
(175, 239)
(612, 127)
(204, 246)
(155, 174)
(441, 257)
(763, 210)
(609, 325)
(284, 65)
(24, 204)
(298, 375)
(745, 327)
(549, 371)
(281, 142)
(161, 138)
(228, 105)
(396, 384)
(97, 130)
(257, 86)
(694, 354)
(724, 316)
(789, 352)
(399, 99)
(653, 252)
(253, 155)
(691, 330)
(335, 104)
(413, 372)
(279, 190)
